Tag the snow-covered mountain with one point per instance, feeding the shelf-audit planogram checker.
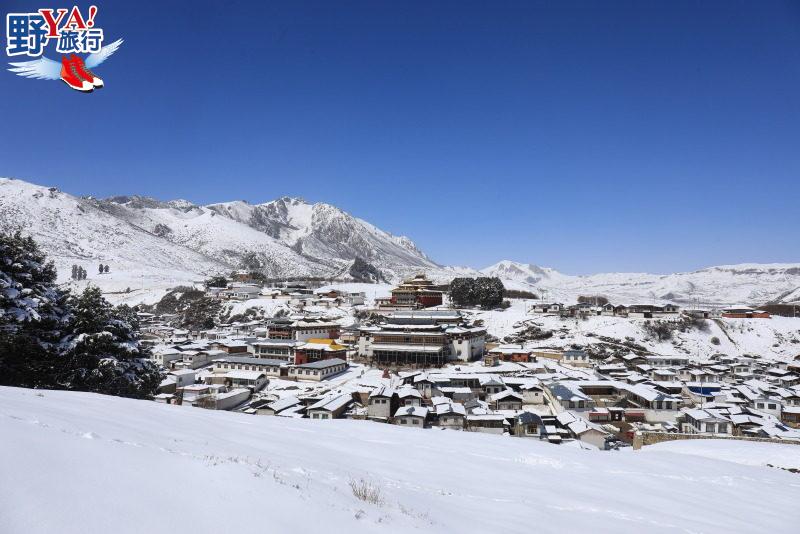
(722, 285)
(324, 232)
(149, 243)
(148, 238)
(525, 273)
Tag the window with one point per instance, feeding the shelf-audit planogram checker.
(711, 427)
(722, 428)
(760, 404)
(415, 421)
(772, 406)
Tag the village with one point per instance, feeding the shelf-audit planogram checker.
(411, 360)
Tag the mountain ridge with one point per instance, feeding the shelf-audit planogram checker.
(746, 283)
(176, 241)
(283, 237)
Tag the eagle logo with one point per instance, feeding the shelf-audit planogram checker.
(73, 70)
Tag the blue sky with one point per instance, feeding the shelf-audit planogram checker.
(586, 136)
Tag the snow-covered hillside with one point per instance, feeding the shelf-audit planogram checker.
(78, 462)
(777, 338)
(713, 286)
(72, 230)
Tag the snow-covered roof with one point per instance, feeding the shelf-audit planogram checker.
(506, 394)
(413, 411)
(408, 391)
(243, 360)
(322, 364)
(282, 404)
(452, 408)
(332, 403)
(241, 374)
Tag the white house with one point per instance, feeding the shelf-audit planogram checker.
(450, 415)
(319, 370)
(413, 416)
(696, 421)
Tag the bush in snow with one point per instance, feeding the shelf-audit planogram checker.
(660, 330)
(367, 491)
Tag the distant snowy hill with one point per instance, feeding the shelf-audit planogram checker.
(153, 244)
(722, 285)
(776, 339)
(81, 462)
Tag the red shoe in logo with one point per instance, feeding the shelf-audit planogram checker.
(86, 74)
(70, 76)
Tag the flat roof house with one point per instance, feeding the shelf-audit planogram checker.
(744, 312)
(267, 366)
(276, 349)
(252, 380)
(511, 353)
(319, 370)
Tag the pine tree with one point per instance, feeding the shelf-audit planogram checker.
(484, 291)
(489, 292)
(33, 314)
(462, 291)
(104, 354)
(101, 268)
(106, 269)
(74, 272)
